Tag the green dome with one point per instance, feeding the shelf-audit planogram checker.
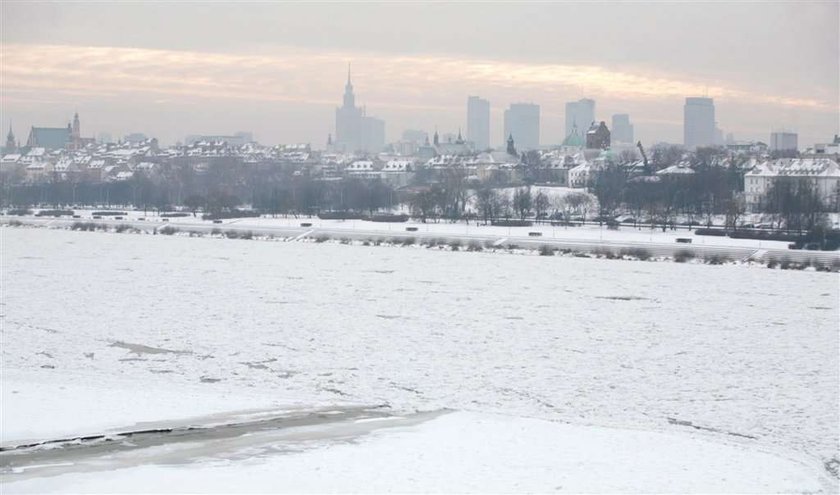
(574, 139)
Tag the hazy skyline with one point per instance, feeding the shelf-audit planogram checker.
(278, 70)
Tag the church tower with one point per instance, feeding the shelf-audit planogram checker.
(11, 147)
(77, 128)
(511, 149)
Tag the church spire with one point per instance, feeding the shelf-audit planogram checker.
(10, 140)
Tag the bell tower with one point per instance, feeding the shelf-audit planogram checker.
(77, 127)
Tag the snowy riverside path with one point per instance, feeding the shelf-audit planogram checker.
(104, 330)
(586, 239)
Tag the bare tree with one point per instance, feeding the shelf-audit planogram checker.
(194, 202)
(485, 203)
(735, 209)
(580, 203)
(541, 204)
(608, 185)
(522, 202)
(795, 202)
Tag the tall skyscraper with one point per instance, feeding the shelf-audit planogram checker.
(478, 122)
(348, 120)
(784, 141)
(355, 131)
(622, 129)
(699, 122)
(579, 114)
(522, 121)
(372, 134)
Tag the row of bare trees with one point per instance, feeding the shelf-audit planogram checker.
(796, 204)
(492, 204)
(222, 187)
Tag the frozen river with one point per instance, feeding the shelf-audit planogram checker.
(732, 353)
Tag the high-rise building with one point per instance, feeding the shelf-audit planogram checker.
(135, 137)
(372, 135)
(354, 130)
(699, 127)
(478, 122)
(784, 141)
(348, 120)
(415, 136)
(579, 115)
(522, 121)
(622, 129)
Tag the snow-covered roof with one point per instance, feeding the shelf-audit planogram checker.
(397, 166)
(63, 165)
(797, 167)
(584, 167)
(360, 166)
(124, 152)
(679, 169)
(495, 157)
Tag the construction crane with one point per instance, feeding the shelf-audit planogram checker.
(644, 156)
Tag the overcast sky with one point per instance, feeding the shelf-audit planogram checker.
(278, 69)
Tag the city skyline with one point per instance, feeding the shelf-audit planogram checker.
(287, 92)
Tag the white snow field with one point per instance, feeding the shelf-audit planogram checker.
(282, 225)
(538, 373)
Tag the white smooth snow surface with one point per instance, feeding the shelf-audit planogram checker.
(470, 452)
(593, 233)
(207, 325)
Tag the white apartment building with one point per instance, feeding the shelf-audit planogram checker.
(823, 172)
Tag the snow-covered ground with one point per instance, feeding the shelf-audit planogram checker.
(727, 375)
(625, 233)
(469, 452)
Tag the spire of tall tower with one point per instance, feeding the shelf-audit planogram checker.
(349, 98)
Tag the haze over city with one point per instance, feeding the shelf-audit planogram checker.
(277, 70)
(404, 247)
